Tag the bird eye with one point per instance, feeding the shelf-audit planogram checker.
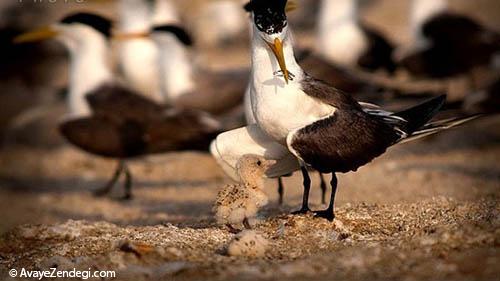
(259, 162)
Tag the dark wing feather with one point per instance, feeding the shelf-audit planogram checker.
(336, 75)
(343, 142)
(104, 136)
(119, 101)
(328, 94)
(182, 130)
(119, 137)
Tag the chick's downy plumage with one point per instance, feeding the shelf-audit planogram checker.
(236, 203)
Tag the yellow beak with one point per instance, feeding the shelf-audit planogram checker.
(130, 36)
(36, 35)
(291, 6)
(277, 49)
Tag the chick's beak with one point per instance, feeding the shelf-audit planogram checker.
(277, 49)
(36, 35)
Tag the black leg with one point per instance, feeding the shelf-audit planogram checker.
(307, 187)
(281, 190)
(128, 183)
(107, 188)
(323, 188)
(246, 224)
(329, 213)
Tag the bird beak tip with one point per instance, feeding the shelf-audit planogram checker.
(277, 48)
(35, 35)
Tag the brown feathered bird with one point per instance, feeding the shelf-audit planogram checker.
(125, 125)
(108, 119)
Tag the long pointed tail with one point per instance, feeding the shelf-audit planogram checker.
(416, 117)
(438, 126)
(417, 120)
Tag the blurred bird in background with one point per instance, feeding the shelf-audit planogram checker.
(221, 23)
(138, 54)
(446, 43)
(105, 117)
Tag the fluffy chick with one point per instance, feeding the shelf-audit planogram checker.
(248, 243)
(236, 203)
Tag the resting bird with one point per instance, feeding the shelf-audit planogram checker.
(344, 40)
(108, 119)
(181, 82)
(320, 126)
(138, 54)
(447, 44)
(237, 203)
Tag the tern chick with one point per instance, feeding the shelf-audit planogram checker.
(237, 203)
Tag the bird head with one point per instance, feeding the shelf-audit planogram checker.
(251, 167)
(71, 30)
(160, 33)
(270, 22)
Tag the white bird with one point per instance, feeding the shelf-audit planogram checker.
(324, 128)
(188, 85)
(138, 54)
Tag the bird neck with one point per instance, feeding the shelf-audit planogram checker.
(135, 16)
(337, 12)
(165, 12)
(422, 10)
(88, 70)
(175, 68)
(265, 64)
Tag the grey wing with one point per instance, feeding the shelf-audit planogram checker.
(343, 142)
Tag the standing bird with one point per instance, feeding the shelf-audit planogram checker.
(137, 53)
(181, 82)
(108, 119)
(321, 126)
(447, 44)
(346, 45)
(192, 86)
(238, 203)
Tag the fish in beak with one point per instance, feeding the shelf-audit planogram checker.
(277, 49)
(36, 35)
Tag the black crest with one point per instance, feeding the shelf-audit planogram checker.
(97, 22)
(269, 15)
(178, 31)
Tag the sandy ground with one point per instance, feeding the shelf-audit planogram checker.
(426, 210)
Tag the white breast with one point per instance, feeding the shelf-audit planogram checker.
(280, 109)
(138, 59)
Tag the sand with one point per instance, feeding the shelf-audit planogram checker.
(426, 210)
